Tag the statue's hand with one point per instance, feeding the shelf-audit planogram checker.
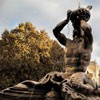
(68, 14)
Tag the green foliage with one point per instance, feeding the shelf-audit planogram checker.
(26, 53)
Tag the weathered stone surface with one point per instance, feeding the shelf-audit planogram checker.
(53, 87)
(23, 91)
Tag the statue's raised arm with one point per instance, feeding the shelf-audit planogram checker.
(57, 30)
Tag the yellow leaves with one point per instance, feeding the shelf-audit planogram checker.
(29, 52)
(36, 57)
(28, 43)
(22, 27)
(45, 44)
(47, 54)
(21, 37)
(16, 42)
(12, 36)
(25, 50)
(29, 26)
(31, 40)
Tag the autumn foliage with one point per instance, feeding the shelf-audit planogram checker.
(26, 53)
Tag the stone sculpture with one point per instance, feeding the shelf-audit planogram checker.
(78, 50)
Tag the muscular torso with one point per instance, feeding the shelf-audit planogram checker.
(75, 53)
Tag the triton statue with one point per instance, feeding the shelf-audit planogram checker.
(78, 51)
(74, 83)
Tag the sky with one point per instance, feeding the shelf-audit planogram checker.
(45, 14)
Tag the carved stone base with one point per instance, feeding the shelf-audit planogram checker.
(54, 86)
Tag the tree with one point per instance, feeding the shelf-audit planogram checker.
(57, 56)
(25, 52)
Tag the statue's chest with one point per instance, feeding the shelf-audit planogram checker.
(74, 48)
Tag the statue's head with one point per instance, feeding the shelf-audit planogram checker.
(81, 14)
